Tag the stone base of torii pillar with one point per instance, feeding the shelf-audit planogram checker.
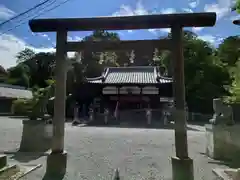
(56, 164)
(182, 169)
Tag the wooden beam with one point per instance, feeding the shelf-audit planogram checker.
(118, 45)
(124, 22)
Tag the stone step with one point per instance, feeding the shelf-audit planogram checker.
(3, 161)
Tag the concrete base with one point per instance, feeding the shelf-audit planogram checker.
(182, 169)
(223, 143)
(56, 164)
(36, 142)
(3, 161)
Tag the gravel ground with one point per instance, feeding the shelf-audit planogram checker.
(94, 153)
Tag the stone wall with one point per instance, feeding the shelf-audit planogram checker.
(223, 142)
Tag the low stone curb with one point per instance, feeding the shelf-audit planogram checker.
(225, 174)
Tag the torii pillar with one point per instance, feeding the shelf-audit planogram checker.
(57, 159)
(182, 165)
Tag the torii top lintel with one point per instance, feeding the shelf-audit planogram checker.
(124, 22)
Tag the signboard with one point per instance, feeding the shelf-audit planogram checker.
(129, 98)
(109, 90)
(150, 90)
(130, 90)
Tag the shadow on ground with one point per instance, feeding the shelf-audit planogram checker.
(222, 162)
(230, 164)
(53, 177)
(139, 125)
(25, 157)
(198, 123)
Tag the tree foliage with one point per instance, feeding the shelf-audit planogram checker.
(209, 71)
(237, 6)
(205, 75)
(229, 50)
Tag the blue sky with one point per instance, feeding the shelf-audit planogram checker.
(17, 39)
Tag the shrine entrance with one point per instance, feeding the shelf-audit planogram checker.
(182, 165)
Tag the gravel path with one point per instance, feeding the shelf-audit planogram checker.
(93, 153)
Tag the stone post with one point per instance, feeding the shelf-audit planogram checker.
(57, 160)
(91, 114)
(149, 116)
(76, 114)
(106, 113)
(165, 117)
(182, 165)
(116, 175)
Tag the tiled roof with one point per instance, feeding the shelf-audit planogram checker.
(9, 91)
(131, 75)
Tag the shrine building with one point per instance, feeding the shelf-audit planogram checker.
(125, 89)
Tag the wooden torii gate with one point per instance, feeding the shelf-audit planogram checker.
(182, 165)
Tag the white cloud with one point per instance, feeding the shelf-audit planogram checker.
(126, 10)
(168, 11)
(208, 38)
(75, 38)
(154, 31)
(188, 10)
(235, 17)
(5, 13)
(212, 39)
(10, 45)
(45, 36)
(222, 8)
(197, 29)
(166, 30)
(193, 4)
(140, 10)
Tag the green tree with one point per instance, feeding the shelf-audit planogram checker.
(94, 62)
(205, 75)
(3, 74)
(25, 55)
(235, 87)
(18, 75)
(41, 67)
(229, 50)
(236, 7)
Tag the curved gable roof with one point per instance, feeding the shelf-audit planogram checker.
(131, 75)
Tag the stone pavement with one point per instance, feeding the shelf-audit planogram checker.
(94, 153)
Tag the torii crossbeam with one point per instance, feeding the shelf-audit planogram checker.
(182, 165)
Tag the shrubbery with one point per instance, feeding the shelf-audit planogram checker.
(37, 106)
(22, 107)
